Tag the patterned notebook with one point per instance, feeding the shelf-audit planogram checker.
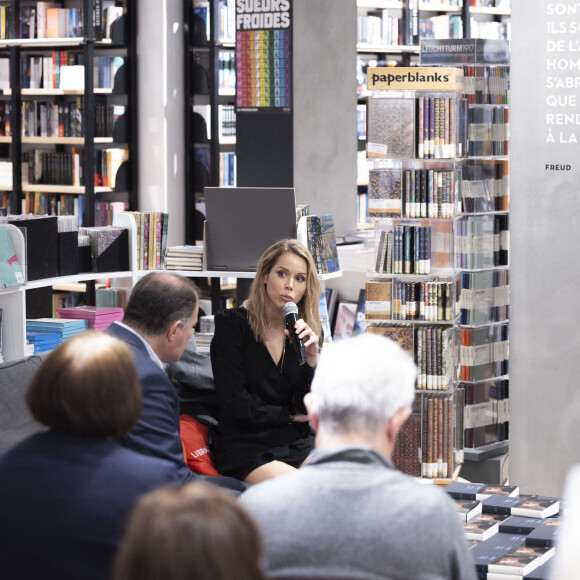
(391, 128)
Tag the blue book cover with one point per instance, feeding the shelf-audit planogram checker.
(463, 490)
(520, 525)
(494, 548)
(546, 534)
(500, 504)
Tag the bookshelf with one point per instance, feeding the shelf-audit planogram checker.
(13, 300)
(71, 140)
(414, 20)
(452, 212)
(416, 145)
(210, 89)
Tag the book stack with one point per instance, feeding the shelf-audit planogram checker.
(510, 535)
(203, 341)
(64, 328)
(43, 341)
(184, 258)
(207, 324)
(112, 297)
(98, 318)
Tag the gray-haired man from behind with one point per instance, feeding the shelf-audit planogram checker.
(348, 513)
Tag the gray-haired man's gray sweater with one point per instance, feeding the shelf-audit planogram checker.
(349, 514)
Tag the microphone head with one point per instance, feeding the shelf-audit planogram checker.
(289, 308)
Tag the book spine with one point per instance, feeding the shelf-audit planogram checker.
(421, 128)
(145, 219)
(151, 240)
(408, 249)
(419, 356)
(389, 264)
(380, 252)
(158, 239)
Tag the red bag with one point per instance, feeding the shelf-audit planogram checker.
(194, 437)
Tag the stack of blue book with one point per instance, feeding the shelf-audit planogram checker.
(63, 328)
(43, 341)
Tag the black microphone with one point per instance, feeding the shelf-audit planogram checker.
(290, 312)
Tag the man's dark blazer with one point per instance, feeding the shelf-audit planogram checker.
(65, 501)
(157, 431)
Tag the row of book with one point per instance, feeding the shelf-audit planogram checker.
(51, 20)
(488, 131)
(105, 211)
(52, 119)
(433, 193)
(380, 27)
(432, 348)
(227, 120)
(151, 239)
(486, 418)
(426, 127)
(112, 297)
(442, 26)
(201, 122)
(484, 297)
(484, 352)
(227, 173)
(226, 18)
(431, 301)
(404, 250)
(5, 129)
(485, 185)
(491, 3)
(226, 70)
(486, 85)
(412, 193)
(429, 444)
(45, 167)
(490, 29)
(52, 71)
(38, 203)
(434, 4)
(482, 242)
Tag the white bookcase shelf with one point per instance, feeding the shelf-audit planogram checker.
(13, 300)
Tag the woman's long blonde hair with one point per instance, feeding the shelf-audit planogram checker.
(307, 307)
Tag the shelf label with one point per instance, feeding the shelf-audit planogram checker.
(414, 79)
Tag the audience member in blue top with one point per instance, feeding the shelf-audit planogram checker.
(66, 493)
